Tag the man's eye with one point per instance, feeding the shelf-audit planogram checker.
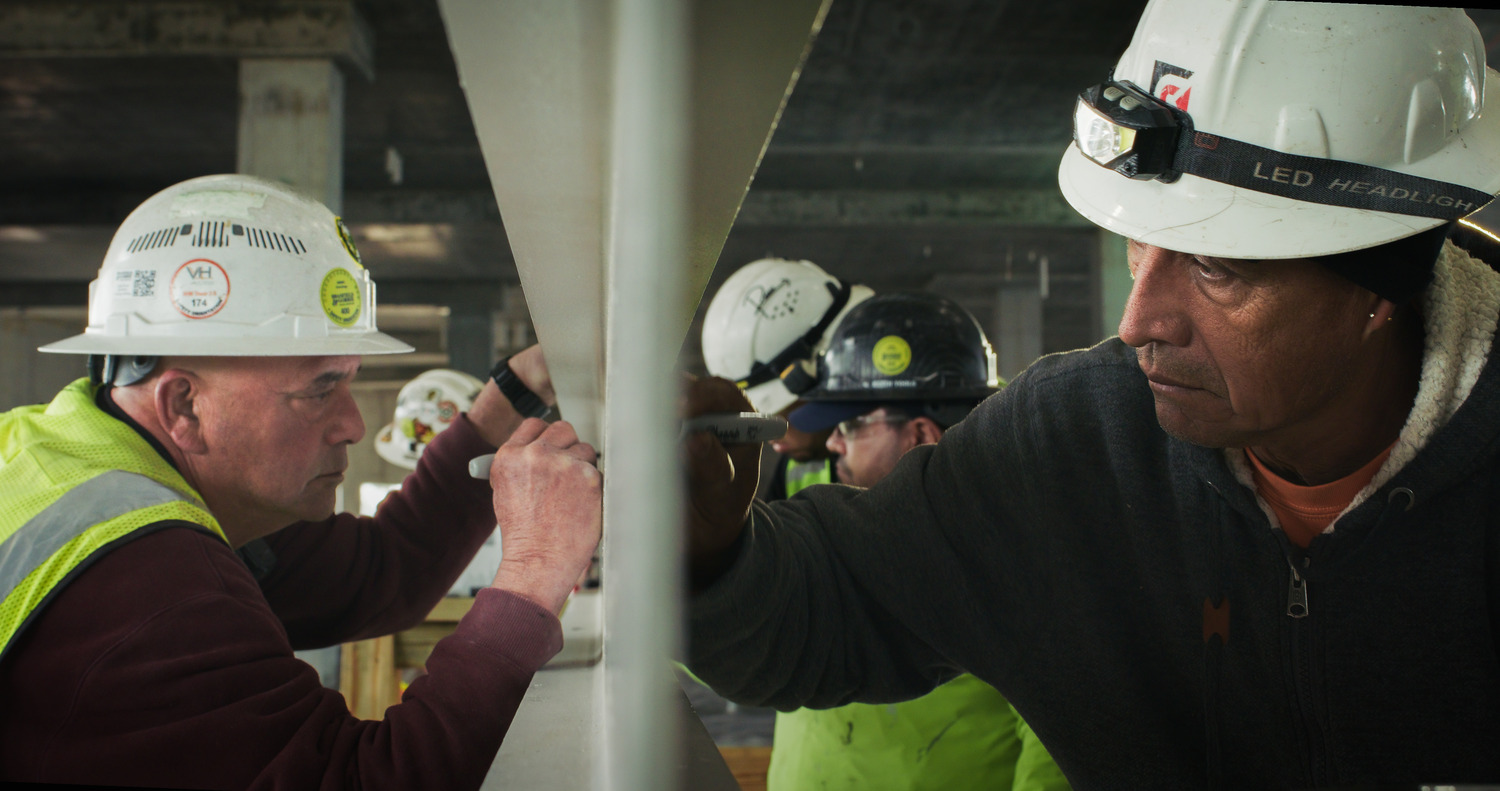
(1209, 269)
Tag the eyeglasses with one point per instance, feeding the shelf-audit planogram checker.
(853, 426)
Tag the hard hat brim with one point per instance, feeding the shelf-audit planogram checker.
(816, 416)
(98, 343)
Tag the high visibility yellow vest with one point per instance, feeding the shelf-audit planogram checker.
(963, 735)
(74, 484)
(802, 474)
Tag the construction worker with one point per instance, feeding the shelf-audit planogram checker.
(168, 539)
(425, 407)
(1249, 543)
(899, 370)
(764, 329)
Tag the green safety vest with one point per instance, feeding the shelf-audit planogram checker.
(802, 474)
(962, 735)
(76, 483)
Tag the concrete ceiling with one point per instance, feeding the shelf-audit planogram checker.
(907, 111)
(922, 137)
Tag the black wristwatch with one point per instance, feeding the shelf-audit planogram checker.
(527, 403)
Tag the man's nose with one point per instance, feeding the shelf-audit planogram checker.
(348, 425)
(1153, 312)
(835, 442)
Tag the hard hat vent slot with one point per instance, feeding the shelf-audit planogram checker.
(162, 238)
(211, 234)
(270, 240)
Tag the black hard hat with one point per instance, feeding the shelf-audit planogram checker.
(906, 347)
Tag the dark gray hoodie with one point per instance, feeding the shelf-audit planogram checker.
(1061, 547)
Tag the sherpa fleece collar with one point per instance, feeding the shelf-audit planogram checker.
(1459, 309)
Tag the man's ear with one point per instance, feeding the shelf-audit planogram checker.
(1380, 313)
(928, 431)
(177, 394)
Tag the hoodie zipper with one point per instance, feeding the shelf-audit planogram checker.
(1296, 593)
(1297, 609)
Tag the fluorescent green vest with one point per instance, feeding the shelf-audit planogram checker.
(962, 735)
(802, 474)
(76, 484)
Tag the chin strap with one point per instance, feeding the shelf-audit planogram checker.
(803, 347)
(119, 370)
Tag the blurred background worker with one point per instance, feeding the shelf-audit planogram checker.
(425, 407)
(899, 370)
(763, 330)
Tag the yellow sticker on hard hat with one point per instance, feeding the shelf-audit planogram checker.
(348, 241)
(341, 297)
(892, 354)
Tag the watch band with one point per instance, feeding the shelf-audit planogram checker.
(527, 403)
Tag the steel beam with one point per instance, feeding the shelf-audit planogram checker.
(1037, 208)
(120, 28)
(1010, 207)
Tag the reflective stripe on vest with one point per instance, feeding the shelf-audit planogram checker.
(93, 502)
(802, 474)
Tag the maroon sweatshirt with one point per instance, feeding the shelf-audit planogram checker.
(166, 663)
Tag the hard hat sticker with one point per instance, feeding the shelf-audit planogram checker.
(200, 288)
(347, 240)
(892, 354)
(135, 283)
(341, 297)
(232, 204)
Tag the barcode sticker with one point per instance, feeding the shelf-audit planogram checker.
(135, 283)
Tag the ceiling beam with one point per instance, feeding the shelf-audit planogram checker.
(1039, 208)
(122, 28)
(1013, 207)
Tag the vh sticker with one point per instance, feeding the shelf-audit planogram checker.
(200, 288)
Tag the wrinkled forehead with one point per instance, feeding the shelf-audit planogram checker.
(278, 372)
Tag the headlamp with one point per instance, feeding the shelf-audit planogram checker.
(1123, 128)
(1127, 130)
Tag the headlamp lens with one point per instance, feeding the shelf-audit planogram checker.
(1099, 138)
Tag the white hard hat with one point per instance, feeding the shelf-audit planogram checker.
(231, 265)
(425, 407)
(1306, 129)
(768, 315)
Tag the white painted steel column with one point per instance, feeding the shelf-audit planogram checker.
(646, 310)
(620, 138)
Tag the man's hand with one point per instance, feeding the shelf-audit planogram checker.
(493, 415)
(721, 482)
(548, 505)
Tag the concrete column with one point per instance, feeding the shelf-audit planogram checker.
(471, 339)
(292, 131)
(1018, 328)
(1114, 282)
(292, 125)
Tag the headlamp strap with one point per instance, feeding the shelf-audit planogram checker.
(1330, 182)
(802, 348)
